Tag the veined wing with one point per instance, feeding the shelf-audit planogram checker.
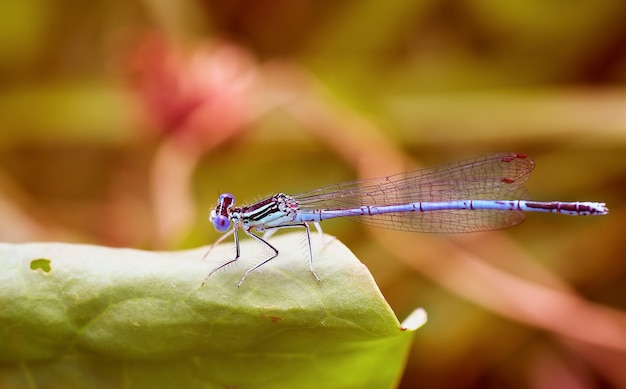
(495, 176)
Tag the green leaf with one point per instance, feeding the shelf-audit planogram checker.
(98, 317)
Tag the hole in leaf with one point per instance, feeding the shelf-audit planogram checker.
(41, 263)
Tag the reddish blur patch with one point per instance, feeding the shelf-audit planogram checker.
(198, 92)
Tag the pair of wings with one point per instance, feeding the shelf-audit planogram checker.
(491, 177)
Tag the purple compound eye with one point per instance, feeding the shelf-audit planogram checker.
(227, 199)
(221, 223)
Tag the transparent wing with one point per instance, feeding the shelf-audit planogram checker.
(444, 222)
(491, 177)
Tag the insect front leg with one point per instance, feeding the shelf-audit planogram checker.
(218, 241)
(235, 233)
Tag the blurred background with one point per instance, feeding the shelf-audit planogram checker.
(122, 121)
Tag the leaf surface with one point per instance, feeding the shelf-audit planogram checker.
(99, 317)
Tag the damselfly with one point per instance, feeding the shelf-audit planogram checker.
(478, 194)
